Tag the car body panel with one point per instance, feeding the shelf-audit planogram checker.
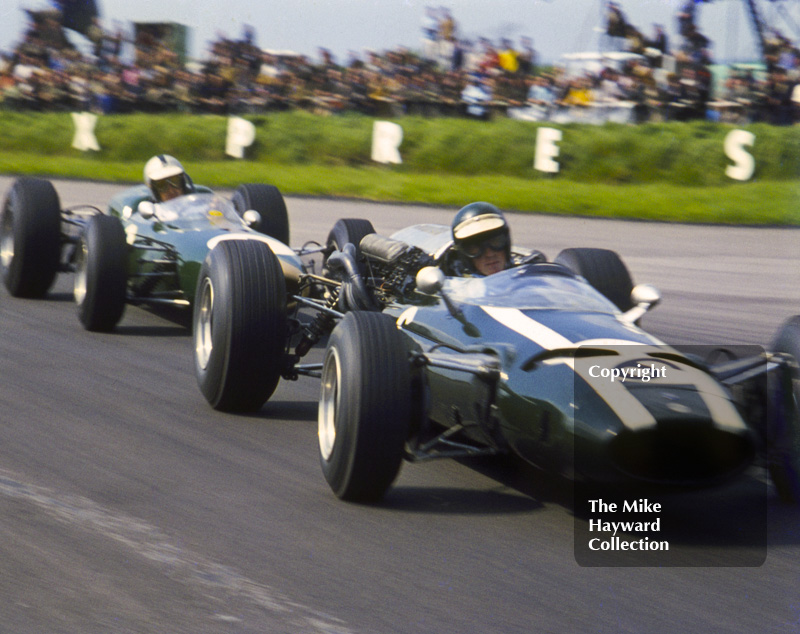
(186, 228)
(546, 326)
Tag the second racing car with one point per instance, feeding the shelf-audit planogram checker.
(137, 251)
(545, 359)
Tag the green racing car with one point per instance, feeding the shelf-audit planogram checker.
(137, 251)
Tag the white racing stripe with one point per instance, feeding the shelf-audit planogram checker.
(520, 323)
(627, 407)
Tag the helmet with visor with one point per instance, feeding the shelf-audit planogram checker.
(166, 178)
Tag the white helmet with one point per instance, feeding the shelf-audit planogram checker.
(160, 170)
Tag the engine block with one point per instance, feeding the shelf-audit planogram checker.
(392, 265)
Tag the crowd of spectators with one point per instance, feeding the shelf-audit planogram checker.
(447, 74)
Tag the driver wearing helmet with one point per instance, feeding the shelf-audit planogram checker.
(166, 178)
(481, 241)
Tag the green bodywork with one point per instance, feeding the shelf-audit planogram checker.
(544, 404)
(168, 248)
(550, 412)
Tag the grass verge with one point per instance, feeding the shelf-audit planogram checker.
(754, 203)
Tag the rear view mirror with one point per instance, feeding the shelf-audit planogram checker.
(430, 280)
(645, 294)
(146, 209)
(251, 218)
(643, 297)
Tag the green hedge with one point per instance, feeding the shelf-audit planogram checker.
(679, 153)
(616, 170)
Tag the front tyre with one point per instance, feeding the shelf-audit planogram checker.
(604, 270)
(101, 275)
(30, 237)
(784, 432)
(268, 201)
(365, 406)
(239, 325)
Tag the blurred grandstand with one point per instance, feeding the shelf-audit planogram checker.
(632, 78)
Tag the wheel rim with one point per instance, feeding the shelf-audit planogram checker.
(204, 328)
(7, 239)
(79, 284)
(328, 403)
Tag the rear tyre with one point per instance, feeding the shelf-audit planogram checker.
(604, 270)
(365, 406)
(101, 275)
(783, 443)
(347, 230)
(267, 201)
(30, 237)
(239, 325)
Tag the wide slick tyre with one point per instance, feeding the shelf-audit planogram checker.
(783, 444)
(268, 201)
(101, 276)
(30, 237)
(604, 270)
(239, 325)
(349, 230)
(365, 407)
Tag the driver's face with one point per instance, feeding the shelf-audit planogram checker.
(490, 262)
(169, 188)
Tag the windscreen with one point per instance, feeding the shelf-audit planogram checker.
(198, 211)
(531, 286)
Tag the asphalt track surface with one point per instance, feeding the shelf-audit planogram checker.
(128, 505)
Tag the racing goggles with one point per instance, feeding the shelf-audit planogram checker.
(477, 248)
(169, 185)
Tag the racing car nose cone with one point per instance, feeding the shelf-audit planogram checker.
(686, 452)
